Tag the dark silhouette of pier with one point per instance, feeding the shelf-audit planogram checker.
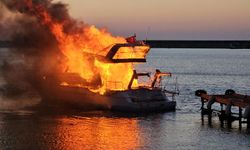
(232, 44)
(227, 44)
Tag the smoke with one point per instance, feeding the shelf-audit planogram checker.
(35, 53)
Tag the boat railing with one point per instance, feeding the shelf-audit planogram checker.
(170, 93)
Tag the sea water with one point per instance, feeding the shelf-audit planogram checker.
(214, 70)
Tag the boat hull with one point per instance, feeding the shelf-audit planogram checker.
(135, 100)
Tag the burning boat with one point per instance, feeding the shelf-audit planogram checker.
(78, 64)
(72, 89)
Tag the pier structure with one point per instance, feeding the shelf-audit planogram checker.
(227, 44)
(227, 101)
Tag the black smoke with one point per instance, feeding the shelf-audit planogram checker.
(35, 52)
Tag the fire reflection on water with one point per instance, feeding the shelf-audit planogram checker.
(69, 132)
(99, 133)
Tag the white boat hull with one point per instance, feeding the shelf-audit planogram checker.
(135, 100)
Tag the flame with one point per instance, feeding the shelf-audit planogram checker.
(82, 49)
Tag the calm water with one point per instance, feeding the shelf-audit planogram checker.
(213, 70)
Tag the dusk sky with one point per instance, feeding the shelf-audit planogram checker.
(167, 19)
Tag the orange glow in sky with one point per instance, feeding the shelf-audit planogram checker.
(167, 19)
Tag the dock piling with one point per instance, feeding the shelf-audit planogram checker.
(240, 117)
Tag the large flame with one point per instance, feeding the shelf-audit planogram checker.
(81, 47)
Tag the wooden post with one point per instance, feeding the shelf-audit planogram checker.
(210, 117)
(229, 120)
(202, 111)
(248, 122)
(240, 116)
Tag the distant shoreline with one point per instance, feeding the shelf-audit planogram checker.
(228, 44)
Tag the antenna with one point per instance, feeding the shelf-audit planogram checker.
(147, 33)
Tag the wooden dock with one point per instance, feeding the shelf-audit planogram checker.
(227, 101)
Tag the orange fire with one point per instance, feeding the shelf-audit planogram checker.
(82, 49)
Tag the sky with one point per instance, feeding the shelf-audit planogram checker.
(167, 19)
